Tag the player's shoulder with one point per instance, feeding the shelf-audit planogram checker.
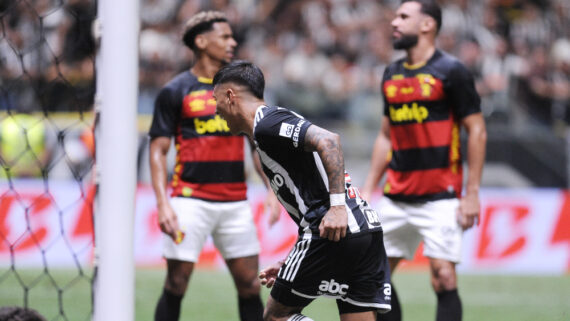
(267, 117)
(447, 63)
(264, 112)
(183, 79)
(178, 86)
(395, 66)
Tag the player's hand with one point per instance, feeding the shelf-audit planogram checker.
(366, 194)
(334, 223)
(468, 211)
(272, 206)
(168, 221)
(268, 275)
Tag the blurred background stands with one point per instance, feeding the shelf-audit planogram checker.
(324, 58)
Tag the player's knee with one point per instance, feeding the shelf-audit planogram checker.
(177, 283)
(248, 287)
(444, 278)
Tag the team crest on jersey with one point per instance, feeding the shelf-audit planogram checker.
(286, 130)
(199, 103)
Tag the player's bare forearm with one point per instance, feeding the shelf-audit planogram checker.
(158, 149)
(379, 160)
(469, 207)
(167, 219)
(327, 145)
(476, 147)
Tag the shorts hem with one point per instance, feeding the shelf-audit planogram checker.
(240, 255)
(185, 258)
(442, 257)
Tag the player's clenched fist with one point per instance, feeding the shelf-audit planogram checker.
(334, 223)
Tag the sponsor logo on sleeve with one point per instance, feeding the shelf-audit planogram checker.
(296, 133)
(286, 130)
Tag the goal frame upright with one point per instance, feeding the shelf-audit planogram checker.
(116, 149)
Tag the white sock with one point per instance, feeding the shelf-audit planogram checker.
(299, 317)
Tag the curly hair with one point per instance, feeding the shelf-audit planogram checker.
(199, 23)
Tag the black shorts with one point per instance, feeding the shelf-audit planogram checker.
(354, 271)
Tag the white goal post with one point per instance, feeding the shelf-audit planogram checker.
(116, 148)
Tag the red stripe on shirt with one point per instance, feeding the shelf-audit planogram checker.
(212, 148)
(414, 182)
(429, 134)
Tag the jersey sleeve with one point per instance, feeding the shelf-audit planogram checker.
(281, 127)
(166, 114)
(462, 93)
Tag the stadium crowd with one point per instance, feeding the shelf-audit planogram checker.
(327, 56)
(324, 56)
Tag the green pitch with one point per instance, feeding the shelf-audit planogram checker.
(211, 296)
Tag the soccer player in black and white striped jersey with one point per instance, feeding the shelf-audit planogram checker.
(339, 252)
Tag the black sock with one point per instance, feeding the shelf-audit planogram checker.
(250, 309)
(448, 306)
(396, 313)
(168, 307)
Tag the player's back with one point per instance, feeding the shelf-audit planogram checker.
(298, 177)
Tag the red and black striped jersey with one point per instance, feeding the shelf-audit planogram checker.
(424, 105)
(209, 160)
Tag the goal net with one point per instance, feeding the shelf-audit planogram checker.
(47, 152)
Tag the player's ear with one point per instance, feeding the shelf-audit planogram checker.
(201, 41)
(428, 24)
(230, 96)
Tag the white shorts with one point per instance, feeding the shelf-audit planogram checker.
(230, 224)
(434, 223)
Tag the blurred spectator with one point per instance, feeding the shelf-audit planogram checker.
(321, 56)
(531, 25)
(498, 71)
(559, 17)
(535, 88)
(561, 80)
(47, 56)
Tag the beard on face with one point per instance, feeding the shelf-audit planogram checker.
(405, 42)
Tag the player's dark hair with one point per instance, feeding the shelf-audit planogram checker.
(243, 73)
(431, 8)
(15, 313)
(200, 23)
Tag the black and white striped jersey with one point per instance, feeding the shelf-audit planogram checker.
(298, 178)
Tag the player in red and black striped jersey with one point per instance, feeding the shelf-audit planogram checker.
(428, 96)
(208, 186)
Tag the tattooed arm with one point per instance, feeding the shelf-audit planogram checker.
(327, 145)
